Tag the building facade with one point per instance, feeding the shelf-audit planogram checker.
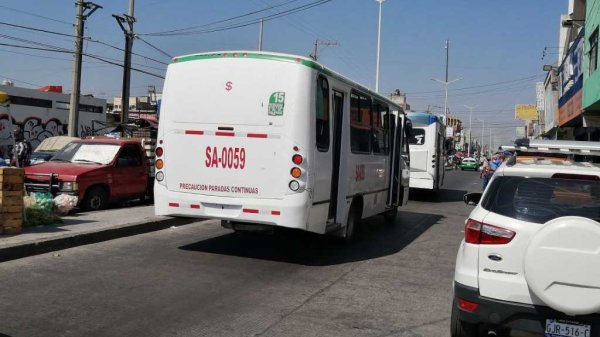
(591, 73)
(42, 113)
(572, 87)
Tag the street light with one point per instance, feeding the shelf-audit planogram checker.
(378, 46)
(470, 115)
(571, 23)
(445, 83)
(482, 136)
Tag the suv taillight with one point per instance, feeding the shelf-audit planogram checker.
(480, 233)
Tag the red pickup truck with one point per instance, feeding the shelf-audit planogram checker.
(97, 171)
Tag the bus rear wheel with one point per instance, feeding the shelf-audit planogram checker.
(351, 224)
(391, 215)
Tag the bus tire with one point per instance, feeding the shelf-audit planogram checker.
(96, 198)
(351, 224)
(391, 216)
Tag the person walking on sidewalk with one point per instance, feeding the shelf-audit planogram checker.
(21, 152)
(2, 151)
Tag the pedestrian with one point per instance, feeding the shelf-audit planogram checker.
(486, 174)
(488, 171)
(2, 151)
(21, 152)
(495, 163)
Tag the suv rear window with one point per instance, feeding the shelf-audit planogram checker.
(542, 199)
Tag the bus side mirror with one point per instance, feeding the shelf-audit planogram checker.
(472, 198)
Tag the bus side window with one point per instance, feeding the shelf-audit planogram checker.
(380, 128)
(322, 125)
(360, 123)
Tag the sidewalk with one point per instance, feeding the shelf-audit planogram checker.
(85, 228)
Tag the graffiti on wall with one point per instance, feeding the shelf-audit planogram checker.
(34, 129)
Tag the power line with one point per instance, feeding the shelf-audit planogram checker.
(492, 91)
(248, 23)
(121, 49)
(89, 39)
(478, 86)
(106, 60)
(35, 15)
(154, 47)
(42, 56)
(69, 51)
(35, 29)
(223, 20)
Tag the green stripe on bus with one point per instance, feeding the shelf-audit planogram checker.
(305, 62)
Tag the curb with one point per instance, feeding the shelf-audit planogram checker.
(81, 239)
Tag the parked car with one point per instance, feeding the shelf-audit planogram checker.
(48, 148)
(97, 171)
(40, 157)
(529, 263)
(469, 164)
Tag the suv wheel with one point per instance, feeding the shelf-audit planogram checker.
(459, 328)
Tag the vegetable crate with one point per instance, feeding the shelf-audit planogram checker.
(11, 200)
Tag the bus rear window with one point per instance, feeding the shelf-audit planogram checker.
(417, 137)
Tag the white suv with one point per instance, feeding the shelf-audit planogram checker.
(530, 260)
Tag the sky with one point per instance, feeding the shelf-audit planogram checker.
(496, 47)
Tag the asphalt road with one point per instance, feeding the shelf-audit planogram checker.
(203, 280)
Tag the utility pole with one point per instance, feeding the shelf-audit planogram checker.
(84, 10)
(260, 35)
(378, 46)
(482, 153)
(129, 36)
(446, 82)
(318, 43)
(470, 132)
(482, 136)
(491, 145)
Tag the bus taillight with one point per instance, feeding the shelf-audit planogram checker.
(159, 151)
(297, 159)
(296, 172)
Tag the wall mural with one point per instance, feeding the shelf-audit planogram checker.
(33, 128)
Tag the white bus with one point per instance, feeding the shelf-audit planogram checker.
(265, 139)
(427, 152)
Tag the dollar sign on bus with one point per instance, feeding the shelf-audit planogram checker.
(228, 85)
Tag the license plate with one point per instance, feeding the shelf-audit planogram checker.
(556, 328)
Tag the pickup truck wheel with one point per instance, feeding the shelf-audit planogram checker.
(95, 199)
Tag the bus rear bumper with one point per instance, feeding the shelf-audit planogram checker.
(290, 212)
(423, 180)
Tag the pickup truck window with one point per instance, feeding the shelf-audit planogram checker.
(129, 157)
(88, 153)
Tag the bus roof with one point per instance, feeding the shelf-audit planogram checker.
(422, 118)
(302, 60)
